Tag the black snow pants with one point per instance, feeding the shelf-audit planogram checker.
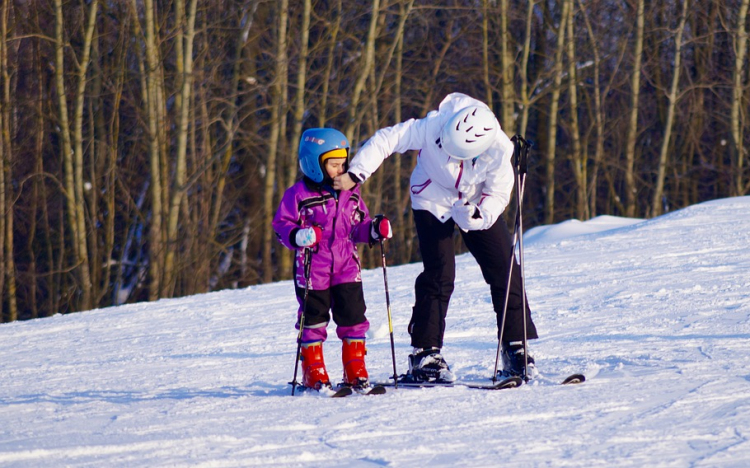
(433, 288)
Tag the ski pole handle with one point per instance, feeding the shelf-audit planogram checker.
(521, 153)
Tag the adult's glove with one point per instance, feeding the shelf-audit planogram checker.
(381, 228)
(467, 215)
(308, 237)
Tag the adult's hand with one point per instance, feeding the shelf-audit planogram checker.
(467, 215)
(343, 182)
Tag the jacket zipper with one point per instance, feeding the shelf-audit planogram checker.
(333, 229)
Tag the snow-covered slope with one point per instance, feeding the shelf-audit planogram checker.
(656, 313)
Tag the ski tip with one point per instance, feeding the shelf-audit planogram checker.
(376, 390)
(342, 392)
(509, 382)
(574, 379)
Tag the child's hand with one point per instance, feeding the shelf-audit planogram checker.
(381, 228)
(308, 237)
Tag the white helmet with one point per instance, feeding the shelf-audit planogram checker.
(469, 132)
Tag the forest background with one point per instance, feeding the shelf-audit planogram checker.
(146, 143)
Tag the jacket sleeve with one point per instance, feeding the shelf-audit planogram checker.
(286, 222)
(499, 183)
(399, 138)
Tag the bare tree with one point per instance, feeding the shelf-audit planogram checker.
(7, 266)
(73, 144)
(364, 72)
(549, 207)
(184, 49)
(506, 63)
(739, 41)
(152, 104)
(656, 204)
(273, 141)
(635, 83)
(577, 157)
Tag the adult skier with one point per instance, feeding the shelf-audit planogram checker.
(312, 215)
(463, 176)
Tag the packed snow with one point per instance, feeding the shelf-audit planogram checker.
(656, 313)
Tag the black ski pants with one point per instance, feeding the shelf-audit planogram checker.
(433, 288)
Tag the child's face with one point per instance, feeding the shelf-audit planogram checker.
(335, 167)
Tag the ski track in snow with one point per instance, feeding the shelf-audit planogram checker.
(656, 313)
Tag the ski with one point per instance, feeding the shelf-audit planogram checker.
(376, 389)
(509, 382)
(573, 379)
(340, 392)
(329, 392)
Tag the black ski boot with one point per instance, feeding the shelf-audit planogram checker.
(514, 361)
(428, 365)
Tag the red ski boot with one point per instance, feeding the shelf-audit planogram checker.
(314, 373)
(353, 355)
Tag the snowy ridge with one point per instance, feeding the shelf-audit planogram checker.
(656, 313)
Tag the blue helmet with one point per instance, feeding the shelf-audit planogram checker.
(314, 143)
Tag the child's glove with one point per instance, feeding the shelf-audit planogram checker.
(308, 237)
(467, 215)
(381, 228)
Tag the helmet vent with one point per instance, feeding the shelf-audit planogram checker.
(469, 132)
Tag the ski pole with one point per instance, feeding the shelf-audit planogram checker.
(308, 258)
(522, 170)
(390, 321)
(520, 154)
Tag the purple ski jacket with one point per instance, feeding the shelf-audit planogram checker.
(344, 221)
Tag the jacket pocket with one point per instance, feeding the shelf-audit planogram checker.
(417, 189)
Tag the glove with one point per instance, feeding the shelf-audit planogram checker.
(467, 215)
(308, 237)
(381, 228)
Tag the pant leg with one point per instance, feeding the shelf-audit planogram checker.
(492, 249)
(317, 313)
(348, 307)
(434, 286)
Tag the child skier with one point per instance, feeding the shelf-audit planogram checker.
(314, 216)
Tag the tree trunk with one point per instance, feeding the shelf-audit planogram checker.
(598, 115)
(656, 204)
(580, 164)
(299, 104)
(5, 155)
(524, 72)
(738, 75)
(299, 113)
(73, 150)
(549, 207)
(186, 37)
(155, 244)
(402, 221)
(359, 86)
(630, 188)
(273, 143)
(330, 55)
(506, 62)
(486, 53)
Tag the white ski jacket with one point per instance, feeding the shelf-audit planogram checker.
(439, 180)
